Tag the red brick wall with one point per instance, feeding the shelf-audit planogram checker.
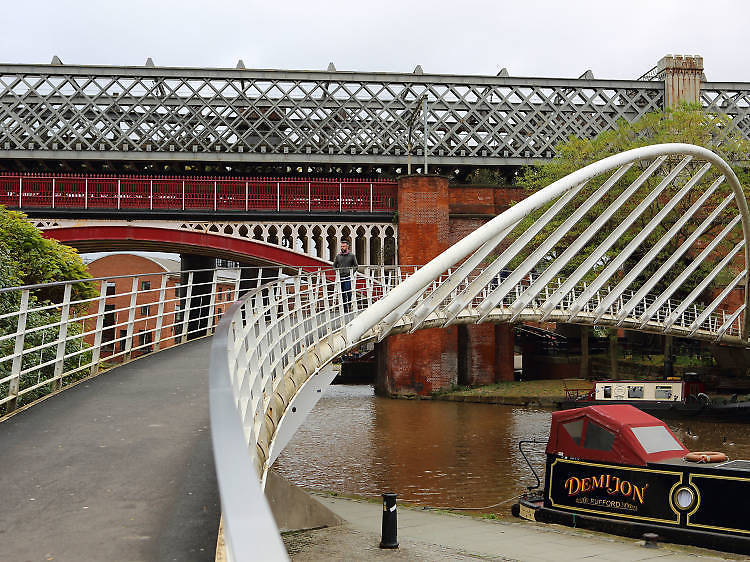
(423, 218)
(482, 200)
(504, 351)
(480, 352)
(421, 363)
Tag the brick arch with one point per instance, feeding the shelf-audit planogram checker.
(114, 238)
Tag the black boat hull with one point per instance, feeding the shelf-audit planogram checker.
(632, 500)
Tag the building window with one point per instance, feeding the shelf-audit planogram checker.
(145, 309)
(145, 285)
(108, 331)
(123, 338)
(144, 341)
(111, 288)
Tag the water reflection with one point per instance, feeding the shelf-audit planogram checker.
(441, 454)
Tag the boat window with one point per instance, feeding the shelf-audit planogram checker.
(663, 392)
(598, 437)
(656, 439)
(635, 391)
(575, 430)
(607, 391)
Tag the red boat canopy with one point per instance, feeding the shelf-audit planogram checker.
(617, 433)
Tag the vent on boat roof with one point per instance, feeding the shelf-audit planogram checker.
(735, 465)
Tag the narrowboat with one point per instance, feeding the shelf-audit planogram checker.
(617, 469)
(669, 398)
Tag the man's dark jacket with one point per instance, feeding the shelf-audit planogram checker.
(345, 263)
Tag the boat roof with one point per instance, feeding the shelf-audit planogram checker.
(618, 433)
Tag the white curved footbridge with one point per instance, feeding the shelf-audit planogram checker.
(270, 348)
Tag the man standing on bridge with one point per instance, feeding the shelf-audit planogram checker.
(346, 262)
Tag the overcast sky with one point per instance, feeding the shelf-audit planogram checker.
(560, 38)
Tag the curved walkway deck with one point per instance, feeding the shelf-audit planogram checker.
(118, 468)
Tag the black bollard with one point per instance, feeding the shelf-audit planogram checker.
(389, 539)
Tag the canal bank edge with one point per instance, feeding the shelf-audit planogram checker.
(538, 393)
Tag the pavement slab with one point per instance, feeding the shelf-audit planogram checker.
(503, 540)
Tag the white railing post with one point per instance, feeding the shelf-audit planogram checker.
(309, 196)
(131, 319)
(186, 308)
(371, 201)
(278, 196)
(62, 338)
(341, 196)
(151, 194)
(53, 192)
(15, 369)
(237, 282)
(86, 193)
(216, 190)
(20, 191)
(211, 324)
(160, 312)
(96, 350)
(119, 191)
(247, 195)
(299, 317)
(183, 195)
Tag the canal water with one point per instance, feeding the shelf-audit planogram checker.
(440, 454)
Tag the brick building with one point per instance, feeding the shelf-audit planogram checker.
(130, 327)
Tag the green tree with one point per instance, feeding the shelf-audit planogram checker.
(34, 259)
(685, 124)
(26, 258)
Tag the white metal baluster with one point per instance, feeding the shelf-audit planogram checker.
(62, 337)
(15, 370)
(160, 312)
(131, 319)
(97, 348)
(186, 307)
(211, 321)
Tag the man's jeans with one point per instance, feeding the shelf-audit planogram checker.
(346, 293)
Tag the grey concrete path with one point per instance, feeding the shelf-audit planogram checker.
(118, 468)
(505, 540)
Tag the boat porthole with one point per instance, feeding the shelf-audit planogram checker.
(684, 498)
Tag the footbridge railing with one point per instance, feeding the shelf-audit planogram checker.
(639, 240)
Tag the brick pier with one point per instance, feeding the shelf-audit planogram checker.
(432, 216)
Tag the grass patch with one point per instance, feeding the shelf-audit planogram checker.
(549, 388)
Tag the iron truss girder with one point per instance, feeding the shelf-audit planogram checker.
(135, 113)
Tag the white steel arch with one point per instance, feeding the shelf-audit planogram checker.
(267, 360)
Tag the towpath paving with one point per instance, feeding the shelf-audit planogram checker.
(119, 467)
(461, 537)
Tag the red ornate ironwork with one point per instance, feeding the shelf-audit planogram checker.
(55, 191)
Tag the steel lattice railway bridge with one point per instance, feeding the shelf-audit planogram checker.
(54, 116)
